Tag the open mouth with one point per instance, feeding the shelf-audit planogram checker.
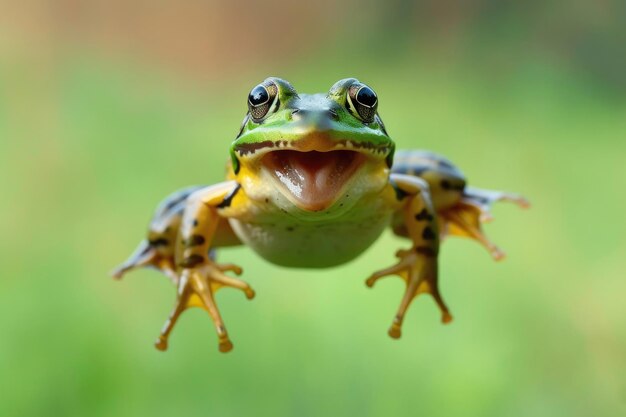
(315, 179)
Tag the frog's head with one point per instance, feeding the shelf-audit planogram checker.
(315, 149)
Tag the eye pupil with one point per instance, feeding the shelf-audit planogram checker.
(261, 99)
(362, 102)
(366, 97)
(258, 96)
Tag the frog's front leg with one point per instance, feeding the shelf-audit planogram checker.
(417, 265)
(201, 277)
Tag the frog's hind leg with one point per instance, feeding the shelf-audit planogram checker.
(157, 250)
(466, 217)
(148, 254)
(484, 199)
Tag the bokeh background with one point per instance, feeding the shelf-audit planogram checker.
(107, 106)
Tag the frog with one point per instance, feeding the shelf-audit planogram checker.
(312, 181)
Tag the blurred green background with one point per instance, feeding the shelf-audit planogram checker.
(106, 107)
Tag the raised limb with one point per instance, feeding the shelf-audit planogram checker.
(461, 209)
(418, 265)
(465, 218)
(196, 275)
(157, 249)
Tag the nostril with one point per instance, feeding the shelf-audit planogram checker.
(301, 114)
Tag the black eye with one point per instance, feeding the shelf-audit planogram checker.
(261, 99)
(362, 102)
(258, 96)
(366, 96)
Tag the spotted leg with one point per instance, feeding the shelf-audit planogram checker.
(200, 276)
(157, 249)
(148, 254)
(418, 265)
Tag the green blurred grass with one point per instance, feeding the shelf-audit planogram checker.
(91, 149)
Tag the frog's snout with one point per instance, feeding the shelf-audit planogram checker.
(314, 117)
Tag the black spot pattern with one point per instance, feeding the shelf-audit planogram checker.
(447, 185)
(161, 241)
(229, 198)
(426, 251)
(424, 215)
(179, 198)
(399, 193)
(195, 240)
(428, 234)
(192, 260)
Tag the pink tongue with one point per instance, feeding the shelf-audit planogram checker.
(314, 178)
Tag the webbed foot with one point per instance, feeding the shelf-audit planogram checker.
(419, 272)
(466, 217)
(196, 288)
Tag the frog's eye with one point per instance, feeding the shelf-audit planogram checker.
(362, 102)
(261, 100)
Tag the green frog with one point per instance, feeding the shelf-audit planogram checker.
(312, 182)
